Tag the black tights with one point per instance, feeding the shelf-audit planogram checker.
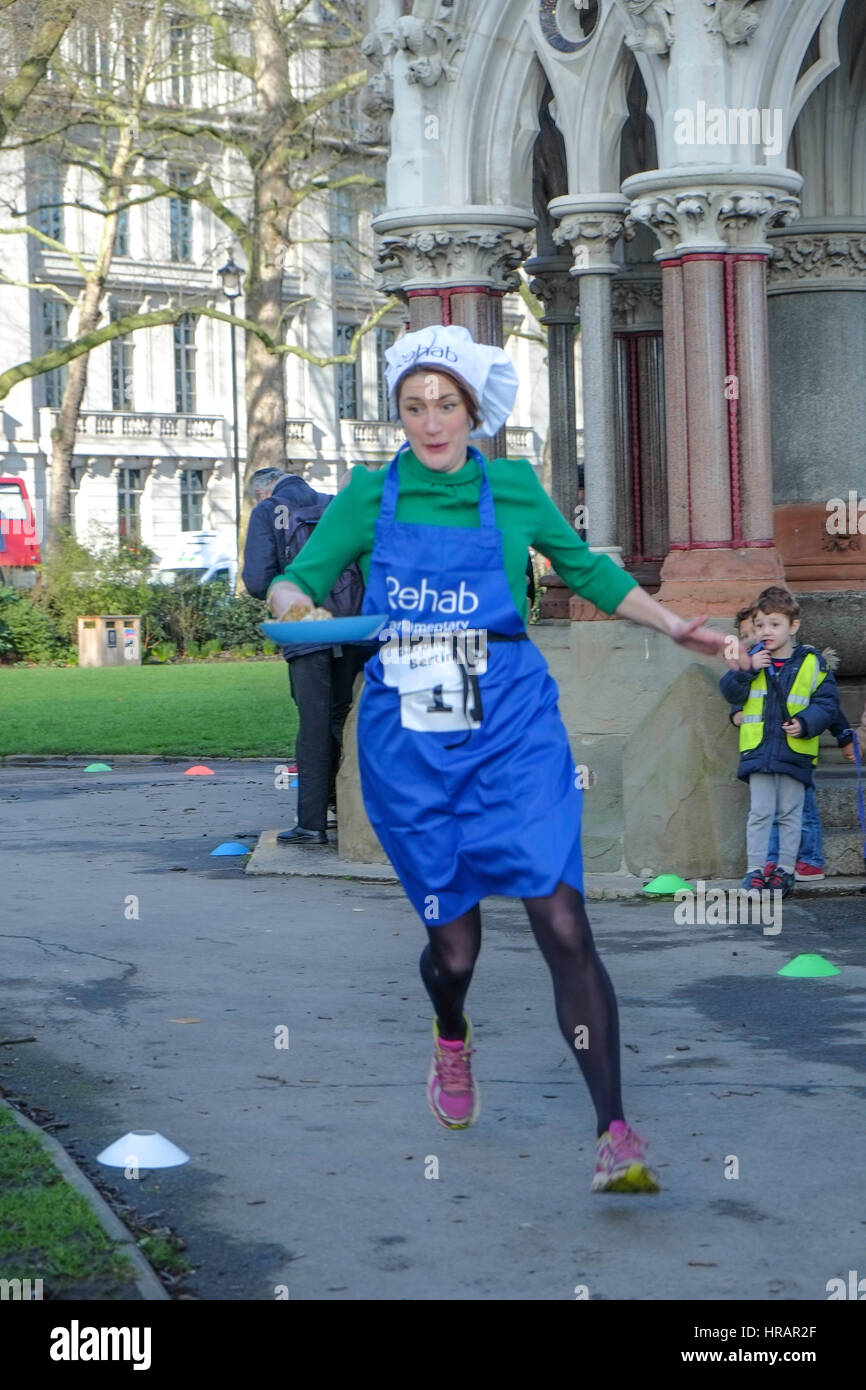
(585, 1002)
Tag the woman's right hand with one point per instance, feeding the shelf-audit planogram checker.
(283, 596)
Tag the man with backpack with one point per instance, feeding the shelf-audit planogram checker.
(321, 676)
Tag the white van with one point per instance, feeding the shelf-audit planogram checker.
(204, 555)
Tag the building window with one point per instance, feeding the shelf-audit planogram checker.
(55, 318)
(385, 338)
(347, 375)
(192, 491)
(129, 490)
(121, 239)
(180, 218)
(121, 364)
(134, 47)
(76, 473)
(96, 55)
(49, 209)
(180, 59)
(184, 365)
(344, 231)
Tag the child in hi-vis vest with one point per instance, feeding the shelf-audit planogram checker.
(788, 697)
(810, 862)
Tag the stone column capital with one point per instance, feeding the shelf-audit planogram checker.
(591, 225)
(481, 248)
(712, 210)
(637, 301)
(556, 287)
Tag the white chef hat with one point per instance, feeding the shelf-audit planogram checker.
(487, 371)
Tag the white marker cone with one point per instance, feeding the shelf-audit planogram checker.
(143, 1148)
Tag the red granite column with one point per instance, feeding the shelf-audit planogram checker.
(753, 383)
(676, 411)
(712, 228)
(707, 419)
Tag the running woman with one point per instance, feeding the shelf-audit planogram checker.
(466, 770)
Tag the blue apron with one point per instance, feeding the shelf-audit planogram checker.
(492, 809)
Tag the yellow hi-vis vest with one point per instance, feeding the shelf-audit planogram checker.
(806, 682)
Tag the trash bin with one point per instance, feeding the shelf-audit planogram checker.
(109, 639)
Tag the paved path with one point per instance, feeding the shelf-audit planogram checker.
(308, 1163)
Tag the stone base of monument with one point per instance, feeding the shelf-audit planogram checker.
(312, 861)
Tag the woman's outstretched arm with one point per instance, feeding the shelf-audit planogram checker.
(640, 608)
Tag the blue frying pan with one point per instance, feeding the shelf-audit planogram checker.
(342, 631)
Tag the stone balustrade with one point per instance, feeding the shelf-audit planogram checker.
(110, 426)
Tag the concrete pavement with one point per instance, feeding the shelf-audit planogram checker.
(312, 1164)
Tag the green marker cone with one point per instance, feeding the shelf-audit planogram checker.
(809, 968)
(97, 767)
(667, 884)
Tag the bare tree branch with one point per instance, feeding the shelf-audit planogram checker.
(35, 65)
(171, 313)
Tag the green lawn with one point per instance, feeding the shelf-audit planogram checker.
(47, 1229)
(211, 709)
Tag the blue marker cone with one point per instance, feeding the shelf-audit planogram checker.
(230, 847)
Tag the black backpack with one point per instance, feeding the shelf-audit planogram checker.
(347, 595)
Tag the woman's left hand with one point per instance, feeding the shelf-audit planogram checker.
(691, 633)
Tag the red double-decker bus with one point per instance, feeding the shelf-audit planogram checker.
(19, 542)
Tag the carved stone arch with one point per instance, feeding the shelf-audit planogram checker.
(828, 141)
(590, 98)
(493, 110)
(786, 81)
(549, 174)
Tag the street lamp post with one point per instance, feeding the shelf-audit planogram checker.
(230, 275)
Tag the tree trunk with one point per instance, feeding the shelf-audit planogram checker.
(63, 434)
(265, 391)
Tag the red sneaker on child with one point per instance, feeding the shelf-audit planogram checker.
(807, 873)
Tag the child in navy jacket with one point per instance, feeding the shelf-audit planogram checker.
(788, 697)
(809, 867)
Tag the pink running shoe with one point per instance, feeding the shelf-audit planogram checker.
(619, 1163)
(451, 1090)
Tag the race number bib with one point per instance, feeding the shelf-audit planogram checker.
(440, 710)
(421, 661)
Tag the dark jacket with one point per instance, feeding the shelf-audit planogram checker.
(840, 728)
(263, 556)
(773, 753)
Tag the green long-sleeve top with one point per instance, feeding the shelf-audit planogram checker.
(525, 515)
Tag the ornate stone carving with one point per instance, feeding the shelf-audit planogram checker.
(555, 286)
(376, 105)
(376, 100)
(733, 216)
(735, 20)
(487, 255)
(743, 214)
(432, 43)
(432, 46)
(818, 258)
(848, 541)
(592, 238)
(652, 20)
(636, 301)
